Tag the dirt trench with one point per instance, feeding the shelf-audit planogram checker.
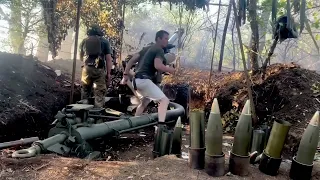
(30, 96)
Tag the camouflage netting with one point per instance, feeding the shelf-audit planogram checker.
(60, 15)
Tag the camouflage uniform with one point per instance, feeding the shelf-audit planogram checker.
(93, 77)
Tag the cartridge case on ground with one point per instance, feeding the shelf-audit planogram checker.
(196, 149)
(257, 141)
(165, 142)
(300, 171)
(269, 165)
(177, 139)
(202, 125)
(239, 165)
(157, 142)
(195, 129)
(196, 158)
(215, 165)
(277, 138)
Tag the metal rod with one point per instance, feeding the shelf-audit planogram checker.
(123, 13)
(104, 117)
(113, 127)
(143, 126)
(216, 4)
(18, 142)
(248, 82)
(75, 51)
(214, 46)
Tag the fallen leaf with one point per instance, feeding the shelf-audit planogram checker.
(145, 175)
(109, 157)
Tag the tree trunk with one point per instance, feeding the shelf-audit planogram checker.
(43, 48)
(179, 37)
(255, 35)
(214, 47)
(270, 53)
(224, 38)
(265, 16)
(15, 26)
(246, 73)
(65, 51)
(22, 49)
(248, 54)
(233, 44)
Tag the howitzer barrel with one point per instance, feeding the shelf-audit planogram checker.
(113, 127)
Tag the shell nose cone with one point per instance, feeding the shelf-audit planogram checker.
(178, 123)
(315, 121)
(246, 109)
(215, 106)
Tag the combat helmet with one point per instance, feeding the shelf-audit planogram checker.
(94, 30)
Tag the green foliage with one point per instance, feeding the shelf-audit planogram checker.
(60, 15)
(189, 5)
(23, 18)
(229, 120)
(310, 4)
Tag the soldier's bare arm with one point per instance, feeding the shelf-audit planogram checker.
(131, 62)
(108, 58)
(159, 63)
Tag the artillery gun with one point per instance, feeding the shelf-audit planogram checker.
(77, 126)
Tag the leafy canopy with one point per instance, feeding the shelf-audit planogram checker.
(60, 15)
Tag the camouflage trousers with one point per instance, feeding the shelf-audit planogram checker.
(94, 81)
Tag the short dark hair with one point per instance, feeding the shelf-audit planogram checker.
(160, 34)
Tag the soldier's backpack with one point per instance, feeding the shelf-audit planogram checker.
(93, 46)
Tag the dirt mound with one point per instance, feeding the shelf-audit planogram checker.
(30, 96)
(285, 93)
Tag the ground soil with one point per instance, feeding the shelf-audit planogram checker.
(134, 161)
(30, 96)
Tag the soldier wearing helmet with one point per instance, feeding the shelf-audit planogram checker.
(95, 53)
